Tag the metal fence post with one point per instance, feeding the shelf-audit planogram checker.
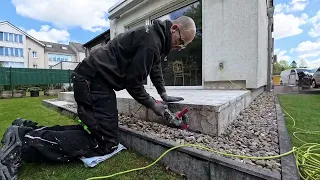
(69, 78)
(11, 84)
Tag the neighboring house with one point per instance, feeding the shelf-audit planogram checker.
(98, 41)
(18, 49)
(56, 53)
(79, 50)
(230, 34)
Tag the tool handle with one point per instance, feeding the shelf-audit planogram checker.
(182, 113)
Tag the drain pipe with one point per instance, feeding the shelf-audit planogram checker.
(270, 12)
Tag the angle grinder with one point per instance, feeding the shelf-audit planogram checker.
(179, 119)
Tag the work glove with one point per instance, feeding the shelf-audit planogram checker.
(167, 98)
(159, 108)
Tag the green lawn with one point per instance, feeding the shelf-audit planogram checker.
(31, 108)
(305, 109)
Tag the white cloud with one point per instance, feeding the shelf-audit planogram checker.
(313, 63)
(308, 55)
(293, 6)
(288, 25)
(50, 35)
(291, 50)
(281, 55)
(308, 46)
(315, 30)
(89, 15)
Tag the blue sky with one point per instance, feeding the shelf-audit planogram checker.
(297, 31)
(297, 23)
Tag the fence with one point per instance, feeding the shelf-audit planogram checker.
(27, 76)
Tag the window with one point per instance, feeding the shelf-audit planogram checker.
(21, 52)
(1, 51)
(65, 48)
(16, 52)
(13, 64)
(10, 37)
(1, 36)
(16, 38)
(184, 68)
(20, 39)
(59, 57)
(10, 51)
(48, 45)
(34, 54)
(136, 25)
(6, 37)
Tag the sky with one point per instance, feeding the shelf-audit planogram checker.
(296, 23)
(297, 31)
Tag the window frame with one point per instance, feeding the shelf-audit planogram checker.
(34, 53)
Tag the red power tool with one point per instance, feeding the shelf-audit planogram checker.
(179, 119)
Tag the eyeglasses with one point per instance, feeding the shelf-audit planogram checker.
(182, 44)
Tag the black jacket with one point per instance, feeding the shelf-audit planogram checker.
(127, 60)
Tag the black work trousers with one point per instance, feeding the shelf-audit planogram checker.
(97, 108)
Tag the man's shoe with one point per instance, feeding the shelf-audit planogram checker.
(11, 151)
(24, 122)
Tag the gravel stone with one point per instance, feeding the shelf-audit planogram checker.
(253, 133)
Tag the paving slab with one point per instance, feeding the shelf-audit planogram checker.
(211, 111)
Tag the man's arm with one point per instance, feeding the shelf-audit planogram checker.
(135, 73)
(156, 77)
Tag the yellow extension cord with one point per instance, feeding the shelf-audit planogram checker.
(307, 156)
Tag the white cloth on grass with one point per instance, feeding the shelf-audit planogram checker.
(93, 161)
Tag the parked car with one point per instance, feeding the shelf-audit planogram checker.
(316, 79)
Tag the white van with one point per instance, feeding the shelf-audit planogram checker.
(290, 76)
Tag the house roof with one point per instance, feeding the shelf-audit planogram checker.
(56, 47)
(78, 46)
(107, 32)
(22, 32)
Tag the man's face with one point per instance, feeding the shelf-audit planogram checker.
(180, 38)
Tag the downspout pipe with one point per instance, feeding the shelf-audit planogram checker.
(270, 12)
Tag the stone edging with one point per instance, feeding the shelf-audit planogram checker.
(289, 169)
(194, 163)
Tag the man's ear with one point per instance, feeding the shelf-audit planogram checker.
(174, 28)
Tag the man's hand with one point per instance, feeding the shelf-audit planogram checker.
(159, 108)
(167, 98)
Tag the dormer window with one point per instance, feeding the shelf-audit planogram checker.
(48, 45)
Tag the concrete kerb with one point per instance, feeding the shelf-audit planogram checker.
(194, 163)
(289, 169)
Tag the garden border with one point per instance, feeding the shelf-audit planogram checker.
(194, 163)
(288, 164)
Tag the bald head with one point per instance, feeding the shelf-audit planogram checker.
(183, 32)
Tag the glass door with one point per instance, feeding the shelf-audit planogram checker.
(183, 69)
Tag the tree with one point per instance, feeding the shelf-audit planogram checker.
(280, 66)
(293, 64)
(277, 68)
(284, 64)
(302, 64)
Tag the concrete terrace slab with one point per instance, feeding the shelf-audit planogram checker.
(211, 111)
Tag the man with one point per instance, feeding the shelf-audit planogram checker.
(123, 63)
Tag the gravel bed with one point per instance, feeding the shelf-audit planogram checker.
(253, 133)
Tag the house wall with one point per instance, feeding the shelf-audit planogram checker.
(16, 61)
(234, 33)
(79, 55)
(39, 60)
